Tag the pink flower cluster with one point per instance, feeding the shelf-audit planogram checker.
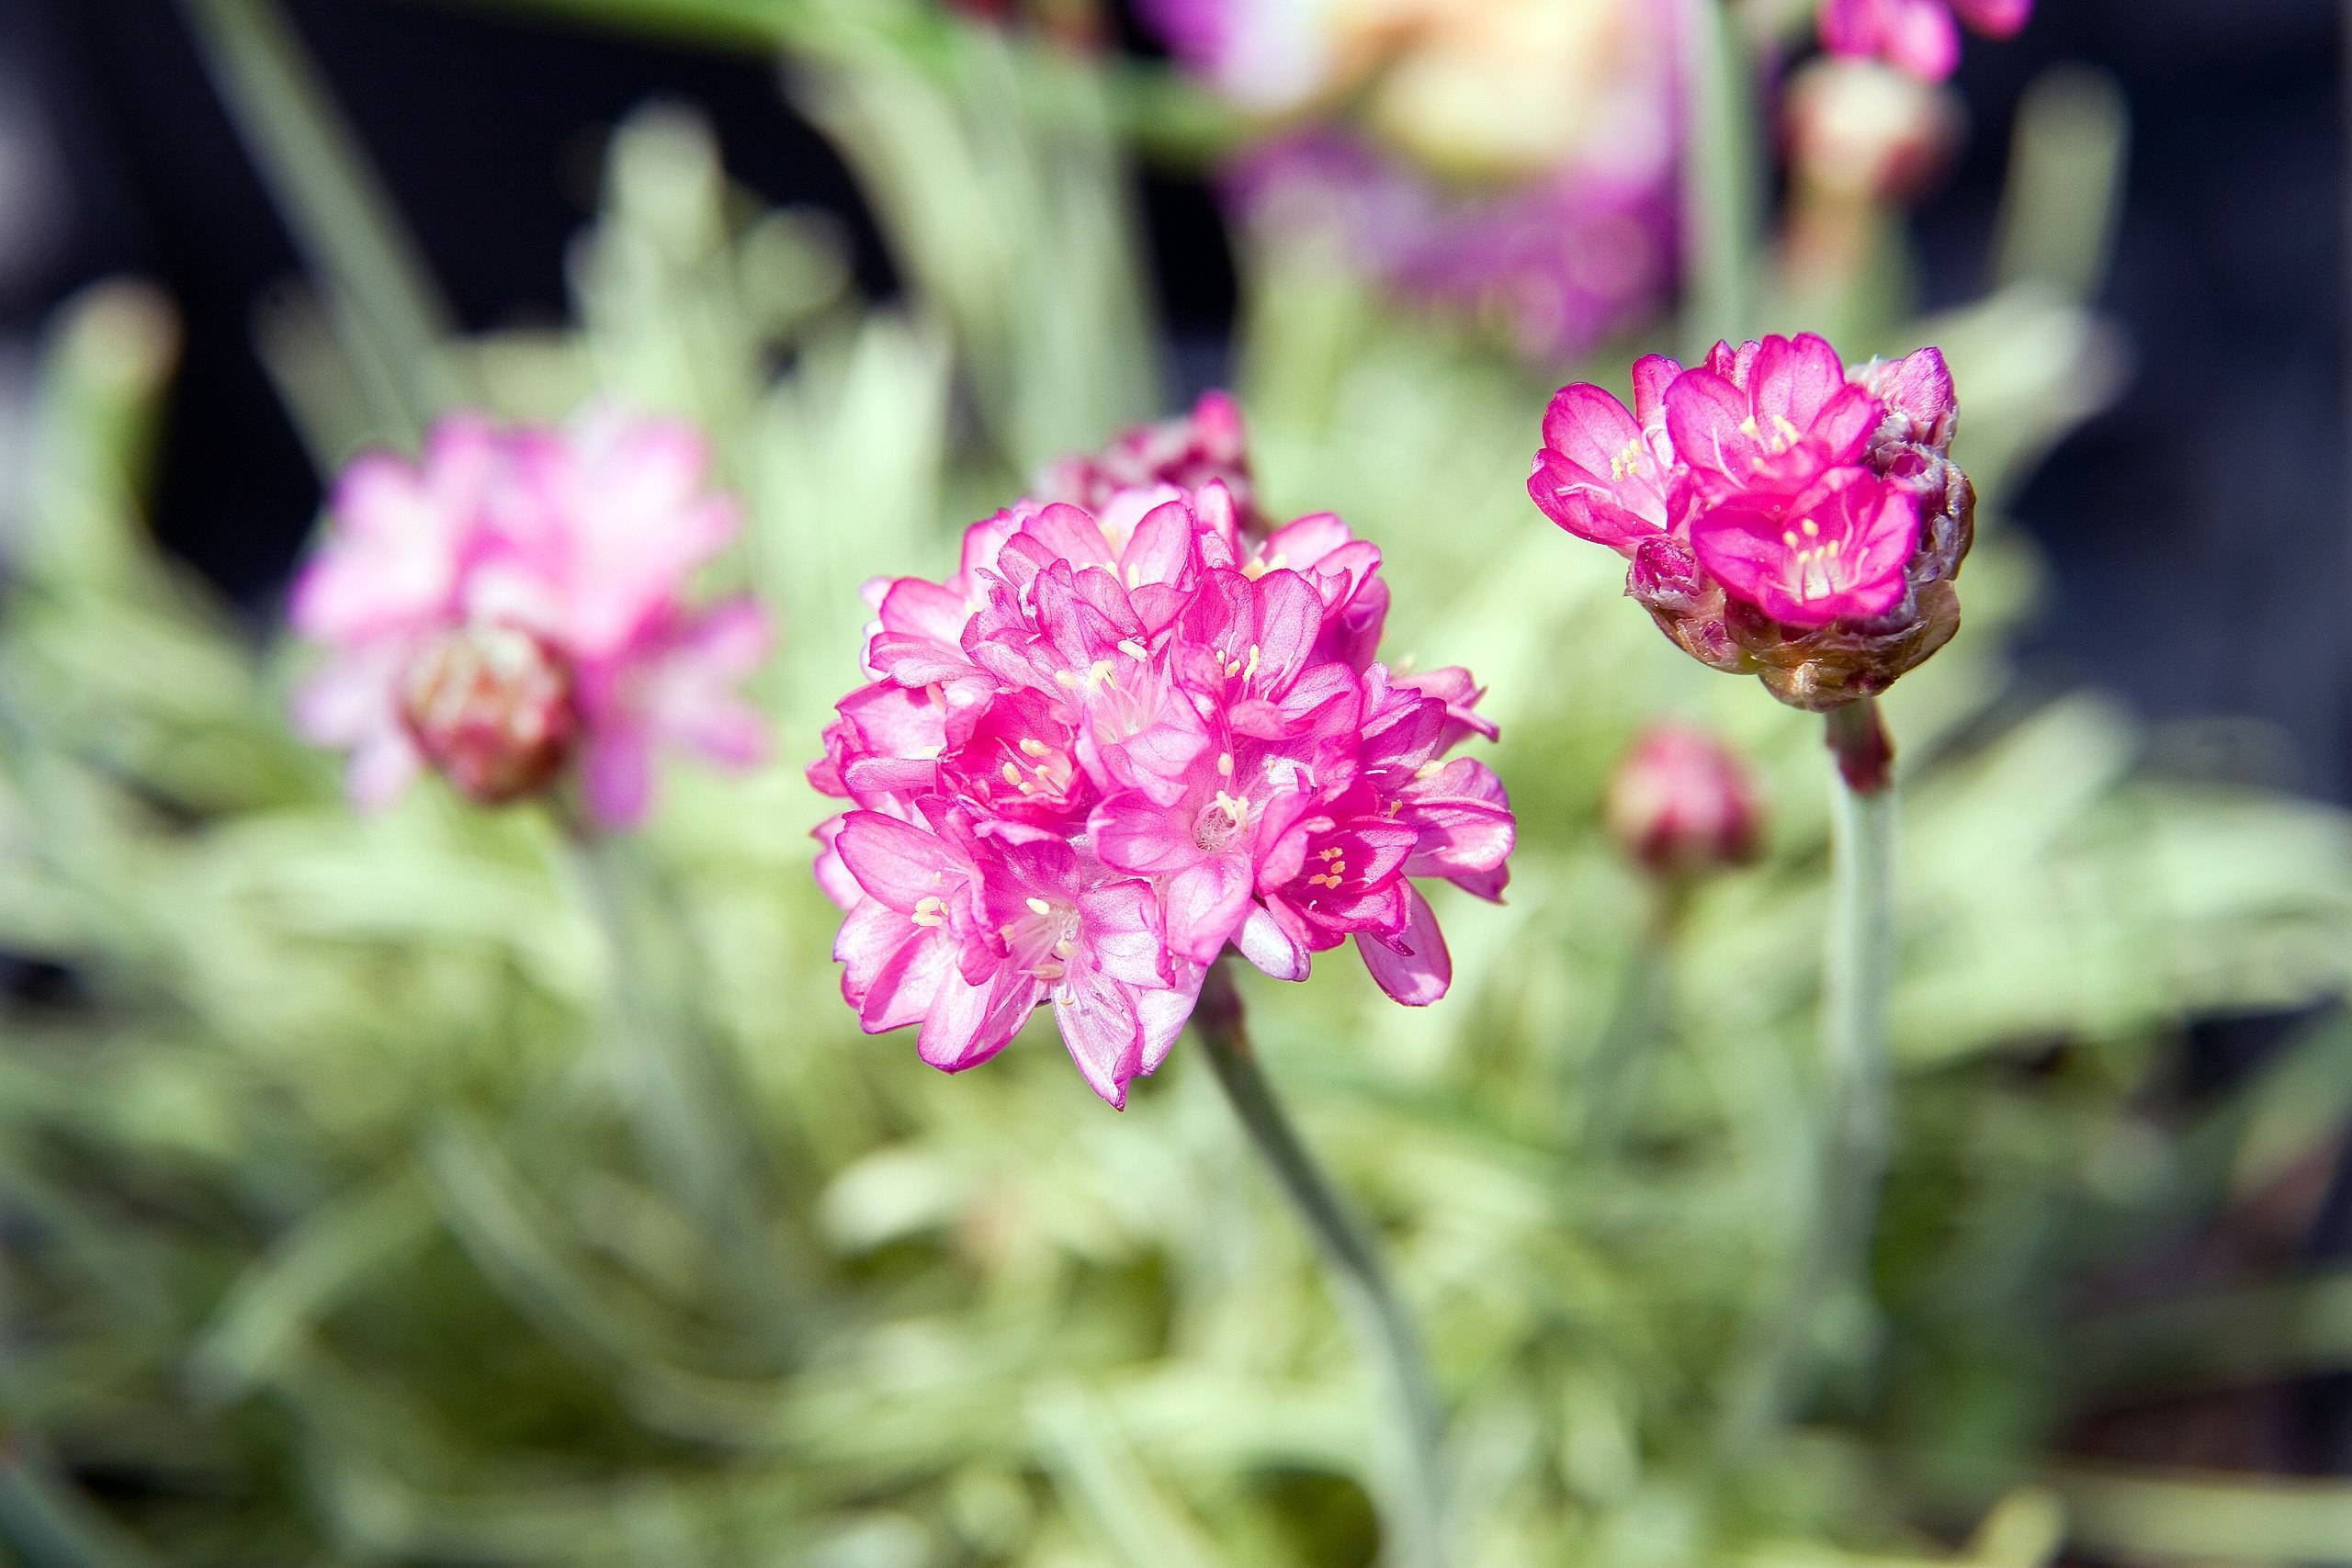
(1918, 36)
(1781, 516)
(1557, 261)
(1116, 741)
(510, 609)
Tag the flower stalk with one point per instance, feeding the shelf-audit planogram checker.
(1857, 974)
(1415, 1501)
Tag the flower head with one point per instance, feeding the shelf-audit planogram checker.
(1512, 161)
(1859, 130)
(1781, 515)
(1922, 36)
(510, 609)
(1681, 804)
(1111, 746)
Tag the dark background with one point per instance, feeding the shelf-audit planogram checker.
(2198, 530)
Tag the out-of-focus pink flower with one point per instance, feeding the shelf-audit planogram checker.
(1859, 130)
(512, 608)
(1183, 454)
(1511, 161)
(1102, 753)
(1681, 804)
(1922, 36)
(1780, 516)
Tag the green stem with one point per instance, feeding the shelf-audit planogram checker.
(1723, 180)
(1611, 1085)
(1857, 972)
(1416, 1494)
(1830, 1277)
(341, 218)
(685, 1105)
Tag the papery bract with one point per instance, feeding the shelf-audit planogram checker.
(1119, 741)
(512, 608)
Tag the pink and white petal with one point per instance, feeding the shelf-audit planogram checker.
(1266, 943)
(1163, 1013)
(969, 1024)
(1207, 903)
(832, 872)
(1101, 1031)
(895, 861)
(1414, 968)
(1121, 933)
(1133, 832)
(1710, 420)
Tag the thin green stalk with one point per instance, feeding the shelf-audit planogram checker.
(1858, 973)
(684, 1105)
(1723, 178)
(342, 220)
(1612, 1083)
(1415, 1506)
(1830, 1272)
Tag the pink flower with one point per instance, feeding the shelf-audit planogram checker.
(1836, 552)
(1110, 749)
(1781, 515)
(510, 609)
(1559, 260)
(1919, 35)
(1768, 417)
(1179, 455)
(1681, 804)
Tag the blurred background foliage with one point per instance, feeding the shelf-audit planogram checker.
(411, 1189)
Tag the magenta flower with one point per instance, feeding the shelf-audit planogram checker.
(1118, 742)
(1511, 162)
(1920, 35)
(511, 610)
(1681, 804)
(1780, 516)
(1183, 454)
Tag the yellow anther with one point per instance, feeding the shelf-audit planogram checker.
(1224, 764)
(1811, 529)
(1252, 668)
(1789, 538)
(1011, 774)
(930, 912)
(1031, 747)
(1627, 462)
(1134, 649)
(1038, 906)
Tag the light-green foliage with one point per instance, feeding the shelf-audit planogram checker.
(369, 1199)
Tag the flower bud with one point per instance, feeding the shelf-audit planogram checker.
(490, 707)
(1859, 130)
(1683, 806)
